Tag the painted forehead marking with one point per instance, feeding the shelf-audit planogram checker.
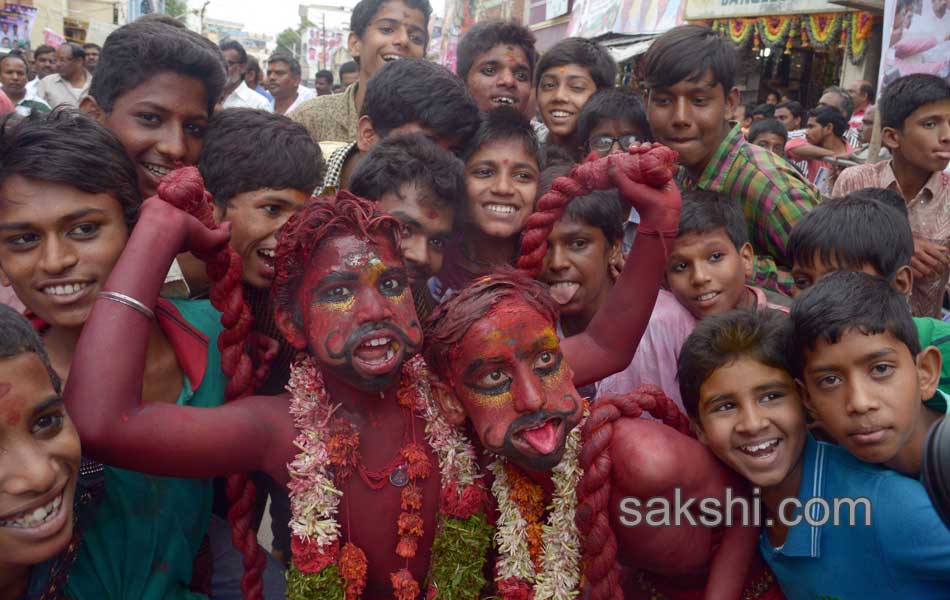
(361, 260)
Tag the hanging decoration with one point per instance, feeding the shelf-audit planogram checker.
(822, 29)
(739, 30)
(774, 31)
(861, 24)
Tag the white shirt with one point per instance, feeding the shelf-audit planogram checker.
(304, 93)
(31, 87)
(245, 97)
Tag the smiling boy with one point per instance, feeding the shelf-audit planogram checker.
(744, 406)
(690, 74)
(496, 61)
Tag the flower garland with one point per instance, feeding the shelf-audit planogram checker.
(329, 448)
(822, 28)
(774, 30)
(861, 24)
(517, 571)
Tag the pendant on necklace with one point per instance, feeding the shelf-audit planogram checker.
(399, 477)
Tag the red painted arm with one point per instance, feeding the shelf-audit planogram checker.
(738, 549)
(104, 390)
(643, 178)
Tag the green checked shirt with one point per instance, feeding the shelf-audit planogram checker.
(773, 197)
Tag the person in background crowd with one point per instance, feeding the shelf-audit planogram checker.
(6, 105)
(772, 98)
(323, 82)
(381, 31)
(742, 115)
(44, 62)
(68, 85)
(567, 76)
(862, 93)
(788, 97)
(840, 99)
(13, 79)
(690, 75)
(763, 111)
(861, 153)
(255, 80)
(825, 137)
(92, 56)
(283, 81)
(496, 61)
(792, 116)
(915, 126)
(769, 134)
(236, 94)
(349, 73)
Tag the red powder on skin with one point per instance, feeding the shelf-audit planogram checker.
(12, 414)
(432, 215)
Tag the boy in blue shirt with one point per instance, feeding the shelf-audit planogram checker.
(869, 532)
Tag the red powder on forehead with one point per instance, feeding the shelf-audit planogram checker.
(4, 388)
(432, 215)
(12, 417)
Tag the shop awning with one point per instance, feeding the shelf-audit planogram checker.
(623, 47)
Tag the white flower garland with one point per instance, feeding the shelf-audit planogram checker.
(560, 574)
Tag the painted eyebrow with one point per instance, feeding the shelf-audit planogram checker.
(335, 277)
(478, 363)
(85, 212)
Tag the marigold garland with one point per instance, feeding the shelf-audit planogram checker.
(774, 30)
(328, 448)
(822, 28)
(860, 27)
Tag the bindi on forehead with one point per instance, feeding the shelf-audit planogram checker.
(362, 260)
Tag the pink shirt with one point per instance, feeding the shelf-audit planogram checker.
(929, 214)
(819, 172)
(658, 353)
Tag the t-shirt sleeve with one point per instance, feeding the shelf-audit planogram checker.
(793, 143)
(911, 539)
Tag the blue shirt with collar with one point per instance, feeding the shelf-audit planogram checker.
(904, 553)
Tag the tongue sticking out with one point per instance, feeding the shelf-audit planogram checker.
(543, 439)
(564, 292)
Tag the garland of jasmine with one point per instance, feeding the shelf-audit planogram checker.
(516, 570)
(320, 568)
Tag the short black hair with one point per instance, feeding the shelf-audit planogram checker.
(75, 50)
(846, 301)
(868, 90)
(601, 209)
(506, 123)
(853, 232)
(906, 94)
(365, 10)
(609, 104)
(17, 55)
(67, 147)
(766, 110)
(795, 108)
(324, 74)
(484, 36)
(705, 211)
(846, 100)
(237, 47)
(720, 340)
(254, 67)
(747, 109)
(886, 196)
(44, 49)
(687, 52)
(349, 66)
(18, 337)
(89, 45)
(410, 159)
(766, 126)
(413, 90)
(824, 115)
(136, 52)
(292, 63)
(582, 52)
(283, 154)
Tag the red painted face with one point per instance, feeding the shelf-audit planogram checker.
(511, 378)
(357, 313)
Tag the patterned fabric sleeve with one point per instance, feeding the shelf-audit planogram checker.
(787, 209)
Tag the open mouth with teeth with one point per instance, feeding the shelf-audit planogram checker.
(34, 517)
(378, 354)
(157, 170)
(266, 255)
(564, 291)
(503, 210)
(760, 450)
(504, 100)
(391, 57)
(543, 437)
(561, 114)
(66, 289)
(707, 297)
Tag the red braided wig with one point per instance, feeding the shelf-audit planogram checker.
(593, 516)
(654, 168)
(184, 189)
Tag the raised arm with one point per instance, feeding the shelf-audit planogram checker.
(104, 390)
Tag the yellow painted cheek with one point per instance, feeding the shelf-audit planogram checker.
(342, 306)
(490, 400)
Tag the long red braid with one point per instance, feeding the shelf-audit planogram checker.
(654, 168)
(593, 516)
(184, 189)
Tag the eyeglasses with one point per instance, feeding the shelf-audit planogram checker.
(602, 144)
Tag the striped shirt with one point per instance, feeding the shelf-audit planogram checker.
(773, 197)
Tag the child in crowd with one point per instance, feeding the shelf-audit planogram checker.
(743, 404)
(69, 201)
(763, 111)
(769, 134)
(915, 126)
(706, 274)
(824, 133)
(742, 115)
(502, 166)
(610, 122)
(568, 74)
(404, 97)
(39, 469)
(496, 60)
(690, 75)
(381, 31)
(866, 231)
(863, 373)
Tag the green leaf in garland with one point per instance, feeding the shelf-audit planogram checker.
(458, 557)
(325, 585)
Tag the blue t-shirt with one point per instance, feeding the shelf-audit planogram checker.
(904, 553)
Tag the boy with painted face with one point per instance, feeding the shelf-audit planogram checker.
(744, 405)
(568, 74)
(690, 74)
(856, 352)
(39, 467)
(381, 31)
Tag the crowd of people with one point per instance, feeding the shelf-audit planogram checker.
(464, 334)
